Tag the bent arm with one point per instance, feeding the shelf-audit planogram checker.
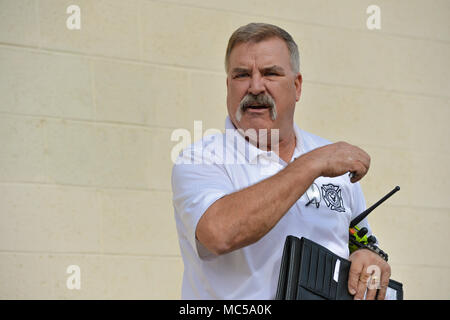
(243, 217)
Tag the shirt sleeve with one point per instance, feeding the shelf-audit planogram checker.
(358, 201)
(196, 186)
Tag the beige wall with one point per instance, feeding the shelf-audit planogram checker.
(86, 118)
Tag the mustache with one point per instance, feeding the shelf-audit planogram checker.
(260, 99)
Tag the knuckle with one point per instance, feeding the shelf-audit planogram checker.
(386, 268)
(365, 277)
(353, 274)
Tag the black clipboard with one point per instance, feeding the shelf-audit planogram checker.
(310, 271)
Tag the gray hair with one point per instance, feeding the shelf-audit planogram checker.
(256, 32)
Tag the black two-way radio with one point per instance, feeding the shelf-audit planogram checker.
(358, 236)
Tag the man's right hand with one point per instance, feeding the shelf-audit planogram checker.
(339, 158)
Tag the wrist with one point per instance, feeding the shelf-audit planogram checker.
(312, 164)
(355, 245)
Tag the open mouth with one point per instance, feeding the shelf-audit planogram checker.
(256, 107)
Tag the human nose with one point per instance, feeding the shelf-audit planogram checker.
(256, 85)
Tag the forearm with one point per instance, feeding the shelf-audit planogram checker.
(243, 217)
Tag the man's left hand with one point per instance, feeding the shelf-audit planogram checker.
(368, 271)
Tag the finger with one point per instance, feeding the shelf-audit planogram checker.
(353, 277)
(372, 287)
(364, 158)
(382, 292)
(359, 171)
(371, 293)
(383, 285)
(362, 285)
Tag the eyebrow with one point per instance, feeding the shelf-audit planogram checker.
(240, 70)
(273, 68)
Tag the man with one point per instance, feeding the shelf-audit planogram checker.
(233, 216)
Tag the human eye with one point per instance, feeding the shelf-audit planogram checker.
(241, 75)
(271, 74)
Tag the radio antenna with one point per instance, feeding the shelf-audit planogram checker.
(365, 213)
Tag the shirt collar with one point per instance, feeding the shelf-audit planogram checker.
(299, 145)
(254, 152)
(250, 151)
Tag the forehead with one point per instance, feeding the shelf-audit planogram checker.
(266, 52)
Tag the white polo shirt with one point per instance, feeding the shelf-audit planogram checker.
(222, 164)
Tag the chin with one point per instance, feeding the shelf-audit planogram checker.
(257, 123)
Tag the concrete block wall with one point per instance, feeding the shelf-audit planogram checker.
(86, 118)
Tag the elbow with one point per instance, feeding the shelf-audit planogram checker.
(219, 249)
(212, 238)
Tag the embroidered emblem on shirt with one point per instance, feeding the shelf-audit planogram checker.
(313, 194)
(333, 198)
